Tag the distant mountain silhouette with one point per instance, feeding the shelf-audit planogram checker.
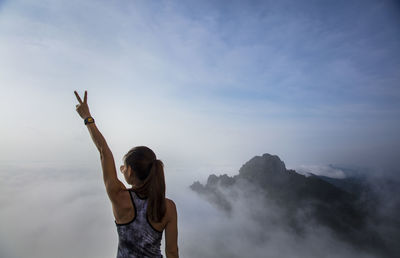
(333, 203)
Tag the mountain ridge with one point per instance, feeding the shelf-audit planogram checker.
(329, 203)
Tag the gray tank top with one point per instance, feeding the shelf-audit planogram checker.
(138, 238)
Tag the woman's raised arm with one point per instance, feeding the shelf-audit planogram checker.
(111, 181)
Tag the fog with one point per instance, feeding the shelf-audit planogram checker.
(56, 212)
(258, 227)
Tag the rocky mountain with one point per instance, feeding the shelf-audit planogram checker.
(332, 203)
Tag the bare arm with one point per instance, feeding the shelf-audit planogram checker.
(97, 137)
(111, 181)
(171, 233)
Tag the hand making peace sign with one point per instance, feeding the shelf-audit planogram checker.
(82, 108)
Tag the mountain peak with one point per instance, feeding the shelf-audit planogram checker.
(264, 166)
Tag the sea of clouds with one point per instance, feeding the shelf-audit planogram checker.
(65, 212)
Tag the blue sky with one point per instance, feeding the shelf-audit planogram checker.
(204, 82)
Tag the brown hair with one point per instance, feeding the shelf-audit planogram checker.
(150, 171)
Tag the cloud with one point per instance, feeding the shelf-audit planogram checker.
(328, 171)
(214, 77)
(65, 212)
(259, 228)
(58, 212)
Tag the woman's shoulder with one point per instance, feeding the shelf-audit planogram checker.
(170, 207)
(170, 202)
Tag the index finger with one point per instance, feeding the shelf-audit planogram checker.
(77, 96)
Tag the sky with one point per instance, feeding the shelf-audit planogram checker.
(206, 84)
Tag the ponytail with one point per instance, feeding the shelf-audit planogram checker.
(150, 170)
(156, 206)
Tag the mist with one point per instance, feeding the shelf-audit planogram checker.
(261, 225)
(56, 212)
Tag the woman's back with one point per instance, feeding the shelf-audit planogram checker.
(138, 238)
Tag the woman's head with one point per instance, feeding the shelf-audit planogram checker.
(143, 167)
(137, 163)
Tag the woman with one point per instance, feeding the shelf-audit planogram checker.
(142, 212)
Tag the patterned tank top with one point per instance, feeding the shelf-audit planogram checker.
(138, 238)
